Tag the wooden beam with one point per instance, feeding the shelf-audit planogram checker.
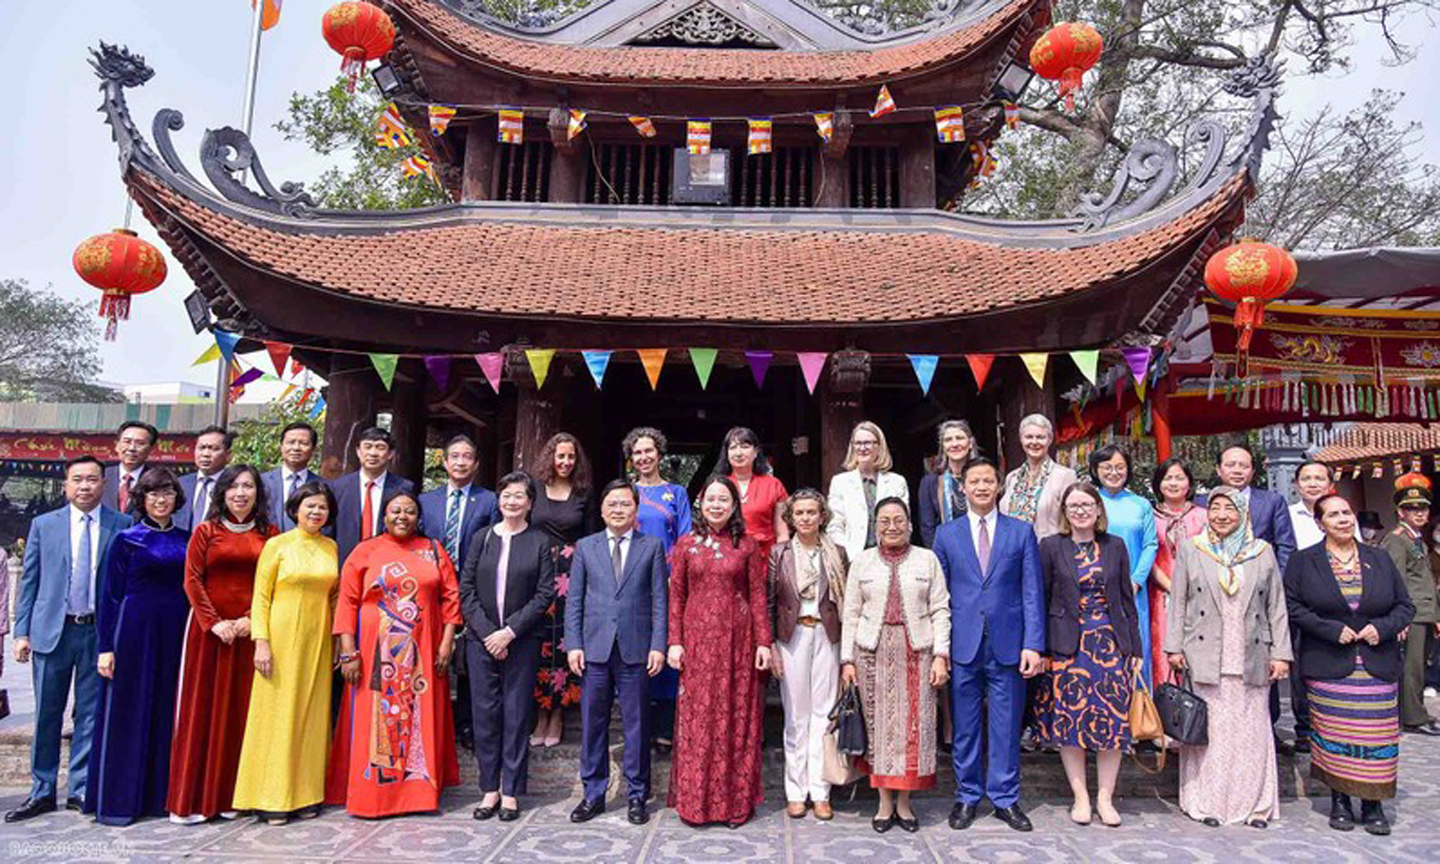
(349, 410)
(479, 179)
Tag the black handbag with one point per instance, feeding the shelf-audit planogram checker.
(1184, 715)
(849, 722)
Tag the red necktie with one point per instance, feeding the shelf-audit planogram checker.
(124, 496)
(367, 514)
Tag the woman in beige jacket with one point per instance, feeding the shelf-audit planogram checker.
(895, 644)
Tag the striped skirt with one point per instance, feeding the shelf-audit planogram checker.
(1356, 737)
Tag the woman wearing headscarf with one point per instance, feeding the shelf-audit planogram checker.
(1227, 625)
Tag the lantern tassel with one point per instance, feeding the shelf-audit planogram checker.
(1070, 81)
(352, 65)
(114, 308)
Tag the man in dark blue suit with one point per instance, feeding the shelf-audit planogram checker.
(65, 554)
(615, 631)
(358, 495)
(133, 442)
(297, 446)
(212, 454)
(997, 615)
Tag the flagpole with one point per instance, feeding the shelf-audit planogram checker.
(247, 116)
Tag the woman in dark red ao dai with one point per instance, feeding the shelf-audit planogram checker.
(719, 640)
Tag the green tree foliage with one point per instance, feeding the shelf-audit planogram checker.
(257, 441)
(49, 347)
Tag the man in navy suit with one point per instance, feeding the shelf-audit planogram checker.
(615, 631)
(212, 454)
(297, 445)
(55, 624)
(358, 495)
(133, 442)
(997, 631)
(1270, 520)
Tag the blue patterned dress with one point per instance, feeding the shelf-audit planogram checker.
(1132, 519)
(664, 513)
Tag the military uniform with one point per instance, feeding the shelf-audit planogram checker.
(1408, 551)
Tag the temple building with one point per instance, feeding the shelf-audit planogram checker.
(846, 245)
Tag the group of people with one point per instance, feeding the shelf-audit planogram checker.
(1032, 601)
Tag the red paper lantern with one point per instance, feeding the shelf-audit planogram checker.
(1248, 274)
(1065, 53)
(359, 32)
(121, 265)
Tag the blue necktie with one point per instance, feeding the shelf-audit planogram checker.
(294, 484)
(79, 599)
(201, 505)
(452, 528)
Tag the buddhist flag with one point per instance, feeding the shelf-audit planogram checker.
(440, 117)
(391, 132)
(825, 126)
(924, 366)
(703, 359)
(697, 137)
(884, 103)
(597, 362)
(385, 366)
(811, 364)
(512, 126)
(1377, 471)
(279, 355)
(269, 13)
(980, 367)
(761, 129)
(653, 359)
(491, 364)
(417, 165)
(643, 126)
(1035, 364)
(576, 125)
(950, 124)
(982, 164)
(1087, 362)
(540, 363)
(1012, 115)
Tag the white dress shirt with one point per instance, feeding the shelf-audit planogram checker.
(286, 474)
(75, 524)
(1307, 530)
(624, 547)
(990, 521)
(377, 495)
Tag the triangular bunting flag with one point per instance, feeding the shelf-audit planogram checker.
(759, 364)
(491, 364)
(391, 132)
(703, 359)
(296, 367)
(884, 103)
(825, 125)
(1140, 389)
(1087, 362)
(539, 363)
(924, 366)
(246, 377)
(643, 126)
(1138, 359)
(319, 407)
(576, 125)
(226, 342)
(209, 355)
(598, 362)
(385, 365)
(439, 369)
(980, 367)
(289, 388)
(279, 354)
(811, 365)
(1035, 364)
(440, 117)
(653, 359)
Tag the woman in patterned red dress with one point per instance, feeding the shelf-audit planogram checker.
(762, 495)
(719, 641)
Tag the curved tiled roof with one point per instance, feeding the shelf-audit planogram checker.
(638, 66)
(1380, 441)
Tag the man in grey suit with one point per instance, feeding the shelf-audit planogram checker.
(615, 631)
(297, 446)
(212, 454)
(65, 555)
(133, 442)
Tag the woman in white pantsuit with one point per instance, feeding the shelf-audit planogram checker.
(807, 579)
(866, 480)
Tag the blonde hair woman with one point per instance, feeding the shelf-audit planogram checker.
(867, 478)
(1032, 491)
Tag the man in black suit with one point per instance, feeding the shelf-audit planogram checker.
(297, 446)
(133, 442)
(212, 454)
(358, 494)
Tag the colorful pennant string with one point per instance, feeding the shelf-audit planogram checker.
(653, 359)
(511, 127)
(825, 125)
(950, 124)
(643, 126)
(811, 364)
(1088, 362)
(440, 117)
(1035, 364)
(980, 367)
(759, 364)
(491, 363)
(279, 354)
(924, 366)
(576, 125)
(884, 103)
(703, 359)
(439, 369)
(597, 362)
(697, 137)
(385, 365)
(759, 140)
(539, 363)
(391, 132)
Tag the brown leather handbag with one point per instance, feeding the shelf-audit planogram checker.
(1145, 723)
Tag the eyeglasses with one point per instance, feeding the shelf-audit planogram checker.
(161, 494)
(1080, 508)
(866, 445)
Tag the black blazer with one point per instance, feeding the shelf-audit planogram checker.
(1062, 591)
(529, 583)
(1319, 611)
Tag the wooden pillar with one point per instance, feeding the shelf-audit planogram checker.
(349, 410)
(832, 188)
(567, 160)
(408, 421)
(1018, 398)
(842, 405)
(479, 178)
(917, 168)
(537, 411)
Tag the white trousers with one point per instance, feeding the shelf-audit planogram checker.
(811, 666)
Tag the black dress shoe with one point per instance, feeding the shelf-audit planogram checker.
(1014, 817)
(1342, 817)
(883, 825)
(910, 826)
(635, 812)
(30, 809)
(587, 809)
(509, 814)
(1372, 816)
(1429, 727)
(962, 816)
(482, 812)
(75, 802)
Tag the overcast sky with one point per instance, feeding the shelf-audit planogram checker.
(58, 167)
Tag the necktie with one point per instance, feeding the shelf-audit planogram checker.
(367, 513)
(79, 599)
(294, 484)
(201, 505)
(452, 528)
(615, 560)
(124, 495)
(984, 547)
